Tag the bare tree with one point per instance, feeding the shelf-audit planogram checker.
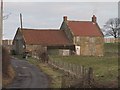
(6, 16)
(112, 27)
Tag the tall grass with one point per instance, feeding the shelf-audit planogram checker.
(105, 68)
(5, 62)
(8, 72)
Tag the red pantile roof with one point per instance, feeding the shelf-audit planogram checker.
(45, 37)
(84, 28)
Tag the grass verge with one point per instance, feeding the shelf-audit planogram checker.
(105, 68)
(53, 74)
(7, 79)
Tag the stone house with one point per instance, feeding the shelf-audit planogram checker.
(50, 39)
(83, 37)
(86, 36)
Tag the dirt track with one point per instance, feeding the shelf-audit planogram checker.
(28, 76)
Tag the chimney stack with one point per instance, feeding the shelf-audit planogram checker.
(94, 19)
(21, 20)
(65, 18)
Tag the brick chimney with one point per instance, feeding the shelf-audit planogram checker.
(65, 18)
(94, 19)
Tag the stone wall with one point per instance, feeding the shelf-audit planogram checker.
(90, 46)
(67, 31)
(34, 49)
(37, 49)
(18, 43)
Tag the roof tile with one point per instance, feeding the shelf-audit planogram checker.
(45, 37)
(84, 28)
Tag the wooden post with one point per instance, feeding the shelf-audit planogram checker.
(82, 71)
(1, 31)
(82, 75)
(77, 70)
(1, 23)
(63, 81)
(90, 76)
(70, 67)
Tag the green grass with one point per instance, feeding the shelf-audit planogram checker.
(105, 68)
(54, 75)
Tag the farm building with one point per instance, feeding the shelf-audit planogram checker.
(85, 35)
(31, 39)
(81, 37)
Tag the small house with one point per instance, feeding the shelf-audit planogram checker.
(86, 36)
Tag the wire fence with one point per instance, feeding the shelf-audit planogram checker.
(74, 76)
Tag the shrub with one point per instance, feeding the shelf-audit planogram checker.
(5, 62)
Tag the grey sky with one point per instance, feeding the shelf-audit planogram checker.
(50, 15)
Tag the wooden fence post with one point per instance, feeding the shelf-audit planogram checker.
(74, 73)
(63, 81)
(90, 76)
(72, 68)
(82, 75)
(63, 64)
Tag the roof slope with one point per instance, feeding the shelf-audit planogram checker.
(84, 28)
(45, 37)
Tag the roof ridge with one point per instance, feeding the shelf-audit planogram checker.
(41, 29)
(78, 21)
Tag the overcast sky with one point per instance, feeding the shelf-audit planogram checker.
(50, 15)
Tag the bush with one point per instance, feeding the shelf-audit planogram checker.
(13, 52)
(5, 62)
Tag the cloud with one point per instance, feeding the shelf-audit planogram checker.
(49, 15)
(61, 1)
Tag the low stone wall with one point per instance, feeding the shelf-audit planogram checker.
(111, 40)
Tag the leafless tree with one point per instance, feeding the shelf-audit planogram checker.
(6, 16)
(112, 27)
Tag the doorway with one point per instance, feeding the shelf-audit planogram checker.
(77, 48)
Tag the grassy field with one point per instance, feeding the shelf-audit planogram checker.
(105, 68)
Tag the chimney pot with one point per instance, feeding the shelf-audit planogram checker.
(65, 18)
(94, 19)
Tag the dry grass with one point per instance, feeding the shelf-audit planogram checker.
(10, 76)
(105, 68)
(0, 79)
(53, 74)
(8, 72)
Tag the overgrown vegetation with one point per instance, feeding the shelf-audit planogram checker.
(105, 68)
(53, 74)
(7, 70)
(5, 62)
